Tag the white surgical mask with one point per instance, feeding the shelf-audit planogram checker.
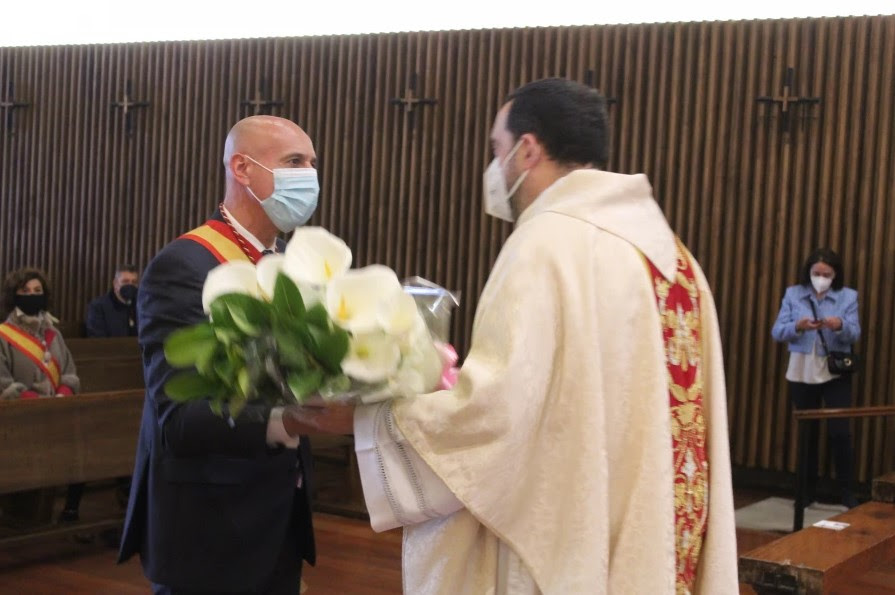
(294, 197)
(821, 284)
(497, 197)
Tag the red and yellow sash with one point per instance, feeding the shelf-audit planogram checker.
(31, 348)
(217, 237)
(678, 303)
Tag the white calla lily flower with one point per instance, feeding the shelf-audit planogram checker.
(268, 268)
(423, 359)
(311, 294)
(408, 383)
(371, 357)
(314, 257)
(397, 316)
(231, 277)
(419, 373)
(355, 300)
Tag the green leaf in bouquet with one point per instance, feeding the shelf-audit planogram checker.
(329, 347)
(217, 407)
(225, 368)
(287, 301)
(190, 386)
(318, 316)
(225, 328)
(303, 333)
(220, 316)
(205, 360)
(304, 384)
(244, 382)
(236, 353)
(228, 336)
(236, 405)
(227, 364)
(290, 346)
(248, 315)
(184, 347)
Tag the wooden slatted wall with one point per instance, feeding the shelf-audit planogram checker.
(78, 194)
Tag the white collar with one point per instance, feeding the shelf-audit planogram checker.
(246, 234)
(620, 204)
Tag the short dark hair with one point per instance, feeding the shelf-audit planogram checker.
(16, 280)
(828, 257)
(568, 118)
(126, 268)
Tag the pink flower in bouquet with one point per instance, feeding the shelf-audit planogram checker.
(450, 372)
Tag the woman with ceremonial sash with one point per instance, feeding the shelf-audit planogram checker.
(34, 360)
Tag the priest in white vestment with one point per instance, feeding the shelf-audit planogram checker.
(584, 448)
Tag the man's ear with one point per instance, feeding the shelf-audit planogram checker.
(238, 166)
(531, 149)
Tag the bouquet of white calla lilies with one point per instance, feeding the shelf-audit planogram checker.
(303, 323)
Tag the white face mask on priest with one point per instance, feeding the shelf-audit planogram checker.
(498, 199)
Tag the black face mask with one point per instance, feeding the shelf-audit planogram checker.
(128, 292)
(32, 304)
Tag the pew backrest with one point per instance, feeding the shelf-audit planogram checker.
(53, 442)
(105, 365)
(87, 437)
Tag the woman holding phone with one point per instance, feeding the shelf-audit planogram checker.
(819, 316)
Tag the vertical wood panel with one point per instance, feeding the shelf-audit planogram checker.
(80, 195)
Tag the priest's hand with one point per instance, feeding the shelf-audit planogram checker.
(312, 419)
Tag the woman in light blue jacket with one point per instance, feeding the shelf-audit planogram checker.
(820, 303)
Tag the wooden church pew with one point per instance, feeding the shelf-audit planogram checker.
(49, 443)
(816, 561)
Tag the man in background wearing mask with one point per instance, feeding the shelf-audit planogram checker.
(215, 508)
(114, 314)
(584, 447)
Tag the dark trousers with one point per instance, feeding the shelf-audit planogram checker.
(834, 394)
(284, 580)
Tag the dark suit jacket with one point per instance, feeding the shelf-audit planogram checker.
(108, 317)
(211, 505)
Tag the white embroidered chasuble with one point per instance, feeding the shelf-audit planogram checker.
(548, 468)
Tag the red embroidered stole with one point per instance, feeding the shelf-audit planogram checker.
(679, 312)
